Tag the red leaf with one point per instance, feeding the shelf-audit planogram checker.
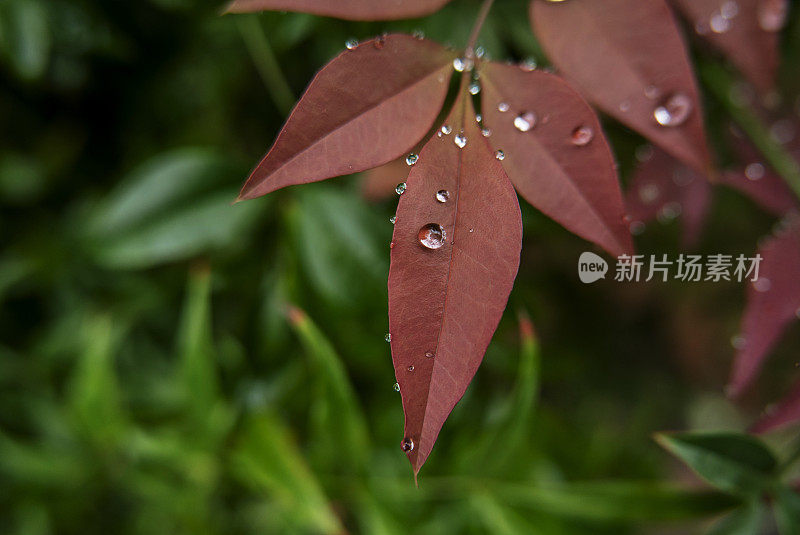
(744, 30)
(365, 108)
(772, 303)
(627, 56)
(787, 412)
(344, 9)
(663, 188)
(763, 186)
(563, 165)
(445, 303)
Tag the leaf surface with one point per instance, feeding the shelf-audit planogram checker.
(365, 108)
(563, 165)
(743, 31)
(445, 303)
(344, 9)
(628, 58)
(772, 303)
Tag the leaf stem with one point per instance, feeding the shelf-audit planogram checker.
(267, 65)
(476, 28)
(720, 82)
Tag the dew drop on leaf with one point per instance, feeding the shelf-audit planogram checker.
(502, 107)
(410, 368)
(754, 171)
(411, 159)
(397, 387)
(393, 219)
(474, 88)
(418, 34)
(652, 92)
(351, 44)
(446, 130)
(478, 118)
(407, 444)
(729, 9)
(525, 121)
(528, 65)
(462, 64)
(430, 355)
(500, 155)
(460, 140)
(648, 193)
(442, 195)
(624, 106)
(432, 236)
(582, 136)
(719, 24)
(400, 188)
(388, 337)
(674, 111)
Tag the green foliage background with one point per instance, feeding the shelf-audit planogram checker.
(154, 377)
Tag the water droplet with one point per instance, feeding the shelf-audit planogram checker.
(430, 355)
(379, 41)
(411, 159)
(674, 111)
(729, 9)
(388, 337)
(442, 195)
(407, 444)
(393, 219)
(478, 118)
(719, 24)
(391, 245)
(582, 136)
(418, 34)
(528, 65)
(637, 228)
(351, 44)
(432, 236)
(480, 52)
(754, 171)
(486, 132)
(410, 368)
(439, 133)
(652, 92)
(474, 88)
(502, 107)
(397, 387)
(525, 121)
(462, 64)
(460, 140)
(669, 211)
(446, 130)
(738, 341)
(762, 285)
(648, 193)
(500, 155)
(624, 106)
(772, 14)
(400, 188)
(471, 230)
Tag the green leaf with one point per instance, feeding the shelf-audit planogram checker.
(267, 459)
(732, 462)
(339, 417)
(500, 519)
(746, 520)
(787, 511)
(25, 39)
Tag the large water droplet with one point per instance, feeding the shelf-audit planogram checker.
(432, 236)
(407, 444)
(446, 130)
(772, 14)
(502, 107)
(582, 136)
(460, 140)
(411, 159)
(351, 44)
(474, 88)
(754, 171)
(674, 111)
(500, 155)
(442, 195)
(388, 337)
(525, 121)
(400, 188)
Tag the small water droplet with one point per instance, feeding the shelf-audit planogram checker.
(478, 118)
(719, 24)
(648, 193)
(738, 341)
(729, 9)
(500, 155)
(486, 132)
(772, 14)
(379, 41)
(474, 88)
(351, 44)
(528, 65)
(411, 159)
(418, 34)
(480, 52)
(624, 106)
(637, 228)
(397, 387)
(407, 444)
(460, 140)
(462, 64)
(502, 107)
(432, 236)
(388, 337)
(391, 245)
(582, 136)
(525, 121)
(652, 92)
(446, 130)
(393, 219)
(400, 188)
(754, 171)
(762, 285)
(442, 195)
(410, 368)
(674, 111)
(471, 230)
(430, 355)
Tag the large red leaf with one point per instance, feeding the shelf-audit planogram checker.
(445, 303)
(746, 31)
(562, 163)
(365, 108)
(628, 57)
(344, 9)
(772, 303)
(663, 188)
(787, 412)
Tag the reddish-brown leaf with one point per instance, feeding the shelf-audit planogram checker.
(344, 9)
(562, 165)
(746, 31)
(772, 303)
(787, 412)
(663, 188)
(365, 108)
(763, 186)
(445, 303)
(628, 57)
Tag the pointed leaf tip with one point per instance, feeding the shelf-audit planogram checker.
(368, 106)
(457, 242)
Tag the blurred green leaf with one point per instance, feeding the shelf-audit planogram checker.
(267, 458)
(731, 462)
(787, 511)
(339, 418)
(501, 520)
(25, 38)
(746, 520)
